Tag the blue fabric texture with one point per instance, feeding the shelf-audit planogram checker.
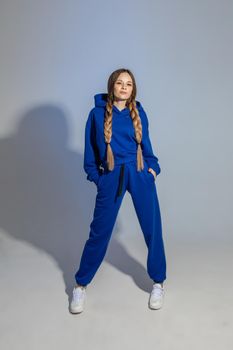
(142, 188)
(113, 184)
(123, 141)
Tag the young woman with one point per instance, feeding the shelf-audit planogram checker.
(118, 156)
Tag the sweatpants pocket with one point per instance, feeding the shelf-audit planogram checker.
(149, 174)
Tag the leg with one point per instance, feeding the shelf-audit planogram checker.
(146, 204)
(107, 205)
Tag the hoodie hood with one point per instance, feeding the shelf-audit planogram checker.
(101, 101)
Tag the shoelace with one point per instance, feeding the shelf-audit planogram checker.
(158, 291)
(78, 293)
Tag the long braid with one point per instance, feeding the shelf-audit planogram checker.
(138, 132)
(108, 133)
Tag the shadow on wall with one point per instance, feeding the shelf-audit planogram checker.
(46, 199)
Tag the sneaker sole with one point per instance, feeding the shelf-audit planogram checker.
(76, 311)
(154, 307)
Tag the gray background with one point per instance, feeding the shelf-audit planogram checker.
(55, 55)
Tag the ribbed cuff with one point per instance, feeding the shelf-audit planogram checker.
(94, 177)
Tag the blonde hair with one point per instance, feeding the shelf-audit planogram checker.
(131, 104)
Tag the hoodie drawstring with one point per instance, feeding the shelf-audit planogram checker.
(121, 179)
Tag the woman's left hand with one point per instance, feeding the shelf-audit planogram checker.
(153, 172)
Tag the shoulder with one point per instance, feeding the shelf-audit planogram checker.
(96, 112)
(95, 117)
(142, 113)
(140, 107)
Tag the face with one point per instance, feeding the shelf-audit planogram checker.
(123, 87)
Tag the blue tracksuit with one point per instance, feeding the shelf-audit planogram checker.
(112, 185)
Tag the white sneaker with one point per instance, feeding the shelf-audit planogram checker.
(156, 296)
(78, 300)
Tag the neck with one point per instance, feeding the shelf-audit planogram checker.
(120, 104)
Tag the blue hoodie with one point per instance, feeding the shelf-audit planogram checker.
(123, 141)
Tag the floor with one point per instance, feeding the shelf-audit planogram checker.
(197, 312)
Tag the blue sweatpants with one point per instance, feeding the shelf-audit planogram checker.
(111, 188)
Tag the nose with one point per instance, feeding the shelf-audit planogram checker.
(123, 86)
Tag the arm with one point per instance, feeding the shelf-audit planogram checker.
(91, 157)
(147, 150)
